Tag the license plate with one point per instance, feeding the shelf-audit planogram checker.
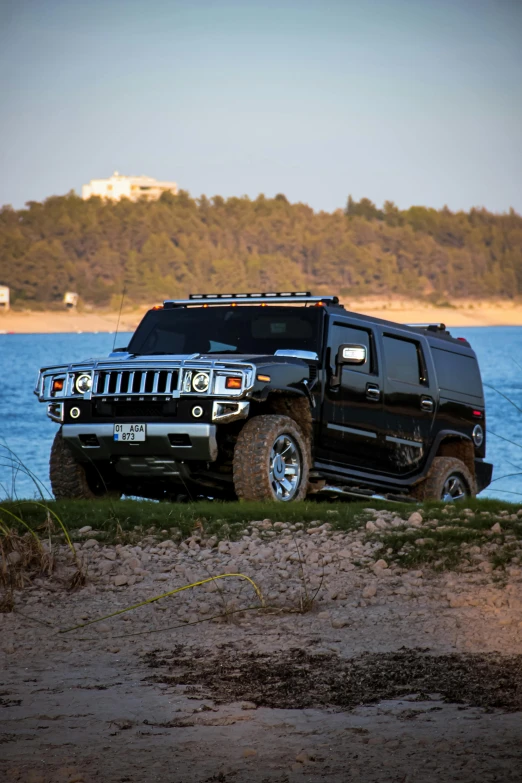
(130, 432)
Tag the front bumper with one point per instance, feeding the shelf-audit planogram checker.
(93, 442)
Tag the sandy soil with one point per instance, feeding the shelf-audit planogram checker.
(461, 313)
(393, 676)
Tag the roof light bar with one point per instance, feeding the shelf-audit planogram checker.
(288, 297)
(259, 295)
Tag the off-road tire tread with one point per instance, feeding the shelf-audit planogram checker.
(68, 477)
(252, 454)
(431, 487)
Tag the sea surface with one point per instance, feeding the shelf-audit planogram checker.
(25, 430)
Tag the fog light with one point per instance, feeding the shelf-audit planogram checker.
(197, 411)
(75, 413)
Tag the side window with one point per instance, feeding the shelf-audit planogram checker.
(341, 335)
(403, 361)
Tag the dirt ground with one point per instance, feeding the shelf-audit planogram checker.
(406, 677)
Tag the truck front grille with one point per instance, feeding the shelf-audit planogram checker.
(119, 382)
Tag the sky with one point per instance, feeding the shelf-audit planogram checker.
(415, 101)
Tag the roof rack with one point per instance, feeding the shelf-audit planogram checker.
(431, 327)
(252, 298)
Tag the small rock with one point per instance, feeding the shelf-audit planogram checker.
(14, 557)
(376, 741)
(114, 649)
(90, 543)
(303, 757)
(119, 580)
(371, 526)
(496, 528)
(249, 752)
(103, 628)
(84, 529)
(323, 615)
(415, 520)
(370, 590)
(248, 705)
(380, 564)
(339, 623)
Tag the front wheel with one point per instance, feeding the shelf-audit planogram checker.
(449, 480)
(271, 460)
(72, 480)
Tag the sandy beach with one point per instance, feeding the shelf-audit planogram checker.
(459, 313)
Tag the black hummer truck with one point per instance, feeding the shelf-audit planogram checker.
(269, 396)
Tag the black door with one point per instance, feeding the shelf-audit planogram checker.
(410, 399)
(352, 407)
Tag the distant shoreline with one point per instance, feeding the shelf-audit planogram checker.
(458, 313)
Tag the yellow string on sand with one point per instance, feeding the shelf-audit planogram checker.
(166, 595)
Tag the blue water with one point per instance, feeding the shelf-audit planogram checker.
(26, 430)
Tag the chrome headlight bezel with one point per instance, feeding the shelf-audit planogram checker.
(87, 378)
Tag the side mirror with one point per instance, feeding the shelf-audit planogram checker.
(351, 354)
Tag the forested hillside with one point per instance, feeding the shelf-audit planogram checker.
(179, 245)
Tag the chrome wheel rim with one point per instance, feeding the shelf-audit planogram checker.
(454, 489)
(285, 468)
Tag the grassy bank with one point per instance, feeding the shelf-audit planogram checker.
(130, 518)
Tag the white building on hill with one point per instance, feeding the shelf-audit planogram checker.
(118, 186)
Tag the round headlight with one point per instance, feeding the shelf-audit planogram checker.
(201, 381)
(83, 383)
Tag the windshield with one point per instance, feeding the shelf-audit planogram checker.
(241, 330)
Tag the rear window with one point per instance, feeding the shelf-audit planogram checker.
(457, 373)
(402, 360)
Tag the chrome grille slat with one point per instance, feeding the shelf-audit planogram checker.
(127, 382)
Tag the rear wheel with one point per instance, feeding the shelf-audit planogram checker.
(71, 479)
(271, 460)
(449, 480)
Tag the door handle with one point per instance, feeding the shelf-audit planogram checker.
(426, 404)
(373, 392)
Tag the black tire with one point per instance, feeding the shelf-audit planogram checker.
(439, 479)
(70, 479)
(260, 473)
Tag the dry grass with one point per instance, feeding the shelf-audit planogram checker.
(22, 557)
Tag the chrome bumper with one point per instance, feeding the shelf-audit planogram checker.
(96, 442)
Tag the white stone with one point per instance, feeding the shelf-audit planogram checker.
(119, 580)
(370, 590)
(85, 529)
(415, 519)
